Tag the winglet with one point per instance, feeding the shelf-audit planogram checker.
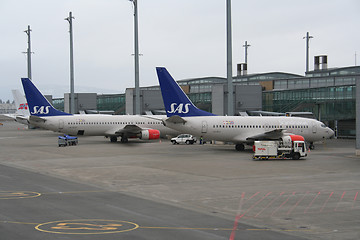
(175, 100)
(38, 104)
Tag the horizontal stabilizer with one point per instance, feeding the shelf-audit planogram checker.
(37, 119)
(22, 119)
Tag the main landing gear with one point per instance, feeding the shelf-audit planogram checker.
(311, 146)
(124, 139)
(240, 147)
(115, 138)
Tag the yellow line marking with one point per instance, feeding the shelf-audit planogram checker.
(184, 228)
(61, 223)
(18, 194)
(227, 229)
(20, 222)
(76, 192)
(65, 223)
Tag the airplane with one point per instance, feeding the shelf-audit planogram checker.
(22, 112)
(44, 115)
(184, 116)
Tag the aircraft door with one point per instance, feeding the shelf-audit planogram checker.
(314, 129)
(61, 124)
(204, 127)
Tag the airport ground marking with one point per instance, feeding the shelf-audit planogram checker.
(297, 203)
(256, 203)
(77, 192)
(86, 226)
(24, 223)
(322, 198)
(269, 204)
(18, 194)
(311, 203)
(78, 225)
(354, 200)
(238, 216)
(226, 229)
(340, 200)
(323, 206)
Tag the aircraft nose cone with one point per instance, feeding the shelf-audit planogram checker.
(330, 132)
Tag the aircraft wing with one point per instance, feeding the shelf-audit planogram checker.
(129, 130)
(270, 135)
(154, 117)
(9, 115)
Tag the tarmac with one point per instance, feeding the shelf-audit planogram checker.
(312, 198)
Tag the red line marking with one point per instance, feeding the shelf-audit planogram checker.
(322, 208)
(269, 204)
(297, 203)
(238, 217)
(272, 214)
(342, 196)
(354, 200)
(311, 203)
(248, 210)
(232, 236)
(253, 196)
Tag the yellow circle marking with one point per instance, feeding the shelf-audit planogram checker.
(87, 226)
(19, 194)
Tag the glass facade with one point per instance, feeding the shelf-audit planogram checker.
(58, 103)
(115, 102)
(202, 100)
(327, 103)
(330, 94)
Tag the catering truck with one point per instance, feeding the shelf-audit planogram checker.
(288, 147)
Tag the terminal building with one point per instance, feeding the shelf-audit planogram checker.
(329, 93)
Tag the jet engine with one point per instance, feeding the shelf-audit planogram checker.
(289, 139)
(149, 134)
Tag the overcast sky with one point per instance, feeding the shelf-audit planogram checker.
(186, 36)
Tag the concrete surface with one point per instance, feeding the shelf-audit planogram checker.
(316, 198)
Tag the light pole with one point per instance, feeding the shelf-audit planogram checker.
(230, 86)
(246, 46)
(72, 95)
(307, 37)
(136, 46)
(29, 52)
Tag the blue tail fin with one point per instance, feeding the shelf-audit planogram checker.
(175, 100)
(38, 105)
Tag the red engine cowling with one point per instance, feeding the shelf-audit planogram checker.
(150, 134)
(297, 138)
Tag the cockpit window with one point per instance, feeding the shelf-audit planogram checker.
(323, 125)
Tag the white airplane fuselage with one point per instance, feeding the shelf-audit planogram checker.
(238, 129)
(100, 124)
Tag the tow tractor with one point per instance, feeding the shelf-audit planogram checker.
(288, 147)
(67, 140)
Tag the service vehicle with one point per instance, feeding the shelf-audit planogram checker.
(184, 138)
(288, 147)
(67, 140)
